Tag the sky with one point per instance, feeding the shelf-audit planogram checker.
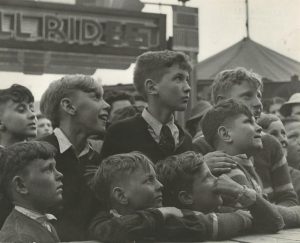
(273, 23)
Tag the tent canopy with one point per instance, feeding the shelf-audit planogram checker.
(253, 56)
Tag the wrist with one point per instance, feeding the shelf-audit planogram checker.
(246, 197)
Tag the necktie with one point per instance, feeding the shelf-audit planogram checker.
(46, 223)
(166, 140)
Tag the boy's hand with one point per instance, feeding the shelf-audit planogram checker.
(227, 187)
(218, 162)
(171, 211)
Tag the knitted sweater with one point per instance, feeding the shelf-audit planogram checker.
(193, 226)
(270, 164)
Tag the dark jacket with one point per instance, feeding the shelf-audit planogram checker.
(132, 135)
(79, 203)
(18, 228)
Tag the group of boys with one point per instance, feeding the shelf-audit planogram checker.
(147, 183)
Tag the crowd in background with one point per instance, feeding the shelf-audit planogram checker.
(112, 167)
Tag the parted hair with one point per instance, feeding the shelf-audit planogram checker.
(152, 65)
(15, 158)
(17, 93)
(62, 88)
(218, 114)
(224, 81)
(177, 173)
(113, 168)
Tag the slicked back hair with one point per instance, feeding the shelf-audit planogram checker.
(62, 88)
(17, 93)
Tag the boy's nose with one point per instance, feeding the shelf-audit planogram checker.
(159, 186)
(187, 87)
(258, 128)
(58, 175)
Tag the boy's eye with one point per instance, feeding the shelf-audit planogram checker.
(21, 108)
(150, 179)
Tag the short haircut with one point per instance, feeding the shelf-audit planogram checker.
(62, 88)
(113, 168)
(265, 120)
(112, 96)
(18, 156)
(176, 173)
(17, 93)
(218, 114)
(224, 81)
(152, 65)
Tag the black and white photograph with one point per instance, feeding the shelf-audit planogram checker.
(139, 121)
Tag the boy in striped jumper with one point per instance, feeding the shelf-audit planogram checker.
(231, 127)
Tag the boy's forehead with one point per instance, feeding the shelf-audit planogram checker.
(12, 104)
(240, 88)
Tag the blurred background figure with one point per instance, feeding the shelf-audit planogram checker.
(193, 124)
(272, 125)
(292, 106)
(44, 126)
(126, 112)
(140, 100)
(117, 99)
(273, 105)
(292, 127)
(287, 137)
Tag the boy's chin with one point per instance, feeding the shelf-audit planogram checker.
(181, 108)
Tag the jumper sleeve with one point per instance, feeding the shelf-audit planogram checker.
(141, 224)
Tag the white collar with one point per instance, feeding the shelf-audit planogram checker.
(64, 143)
(33, 214)
(156, 124)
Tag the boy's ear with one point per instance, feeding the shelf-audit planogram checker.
(151, 87)
(119, 195)
(68, 106)
(19, 185)
(185, 198)
(224, 134)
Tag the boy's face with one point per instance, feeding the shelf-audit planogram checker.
(277, 130)
(43, 183)
(44, 127)
(91, 111)
(204, 199)
(245, 133)
(118, 105)
(248, 94)
(173, 89)
(143, 190)
(293, 136)
(18, 119)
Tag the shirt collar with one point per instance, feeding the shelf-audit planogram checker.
(34, 215)
(64, 143)
(154, 123)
